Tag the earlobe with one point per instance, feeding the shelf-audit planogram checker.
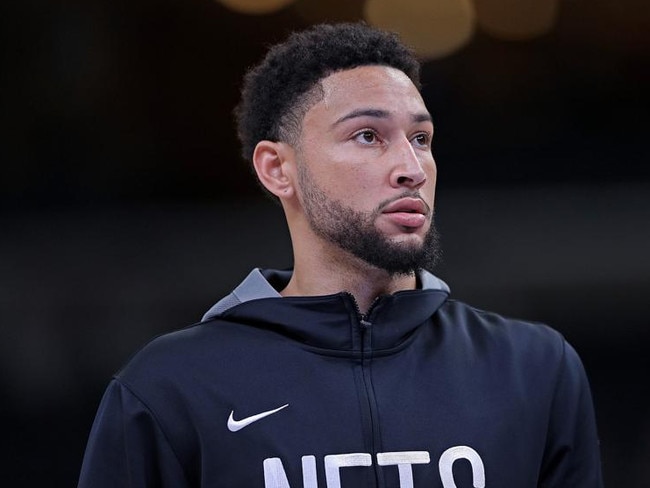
(273, 162)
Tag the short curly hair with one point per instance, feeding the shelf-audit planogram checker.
(277, 93)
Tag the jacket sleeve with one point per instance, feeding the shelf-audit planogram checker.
(127, 448)
(572, 454)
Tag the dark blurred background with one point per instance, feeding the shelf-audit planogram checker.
(126, 211)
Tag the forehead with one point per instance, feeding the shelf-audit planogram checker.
(379, 87)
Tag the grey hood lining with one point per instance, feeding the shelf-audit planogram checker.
(256, 286)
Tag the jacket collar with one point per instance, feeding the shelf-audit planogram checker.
(265, 283)
(257, 302)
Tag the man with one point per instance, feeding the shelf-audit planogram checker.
(354, 369)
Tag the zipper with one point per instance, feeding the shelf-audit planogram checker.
(364, 382)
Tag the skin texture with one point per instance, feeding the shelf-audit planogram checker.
(364, 146)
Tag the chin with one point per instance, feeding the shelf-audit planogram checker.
(412, 241)
(410, 234)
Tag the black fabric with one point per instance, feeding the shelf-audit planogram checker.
(423, 377)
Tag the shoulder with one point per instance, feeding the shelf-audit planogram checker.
(488, 322)
(511, 354)
(174, 358)
(495, 334)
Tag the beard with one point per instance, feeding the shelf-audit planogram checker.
(355, 232)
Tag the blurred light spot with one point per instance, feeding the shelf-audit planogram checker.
(255, 6)
(433, 28)
(515, 20)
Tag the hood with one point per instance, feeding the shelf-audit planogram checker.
(265, 283)
(257, 302)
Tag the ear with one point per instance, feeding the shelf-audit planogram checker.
(274, 163)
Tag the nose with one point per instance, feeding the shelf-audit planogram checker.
(409, 168)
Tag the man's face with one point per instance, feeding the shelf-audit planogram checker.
(366, 175)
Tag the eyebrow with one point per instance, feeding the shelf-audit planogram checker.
(381, 114)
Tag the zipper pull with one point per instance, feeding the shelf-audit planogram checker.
(364, 323)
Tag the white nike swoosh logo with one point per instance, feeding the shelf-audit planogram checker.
(235, 425)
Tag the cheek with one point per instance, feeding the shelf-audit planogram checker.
(346, 178)
(429, 189)
(359, 186)
(431, 179)
(432, 172)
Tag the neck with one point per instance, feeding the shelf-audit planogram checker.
(325, 273)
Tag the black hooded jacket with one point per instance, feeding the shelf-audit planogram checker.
(304, 392)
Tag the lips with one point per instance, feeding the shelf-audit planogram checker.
(407, 212)
(407, 205)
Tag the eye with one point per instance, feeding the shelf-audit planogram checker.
(422, 139)
(366, 136)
